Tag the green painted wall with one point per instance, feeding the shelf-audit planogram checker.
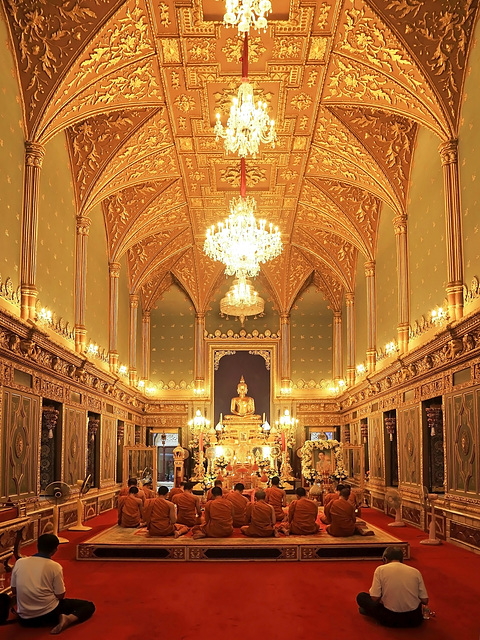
(96, 312)
(360, 313)
(469, 153)
(172, 341)
(386, 276)
(56, 232)
(123, 313)
(215, 322)
(11, 164)
(344, 338)
(311, 322)
(139, 342)
(426, 228)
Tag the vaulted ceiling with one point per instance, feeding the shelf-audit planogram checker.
(136, 86)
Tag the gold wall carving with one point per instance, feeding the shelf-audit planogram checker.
(74, 445)
(108, 447)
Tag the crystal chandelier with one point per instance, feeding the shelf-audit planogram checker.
(241, 301)
(246, 14)
(240, 242)
(248, 125)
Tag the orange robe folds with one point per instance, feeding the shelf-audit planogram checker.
(302, 516)
(149, 493)
(124, 492)
(129, 514)
(277, 498)
(175, 491)
(240, 504)
(261, 516)
(329, 497)
(341, 514)
(218, 519)
(186, 508)
(157, 517)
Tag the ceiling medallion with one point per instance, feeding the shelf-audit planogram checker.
(242, 243)
(248, 125)
(246, 14)
(241, 301)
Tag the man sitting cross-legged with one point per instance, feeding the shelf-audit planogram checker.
(37, 583)
(189, 512)
(130, 509)
(132, 482)
(277, 498)
(341, 516)
(302, 516)
(262, 518)
(217, 483)
(218, 518)
(240, 504)
(161, 517)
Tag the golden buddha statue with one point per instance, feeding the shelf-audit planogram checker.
(243, 406)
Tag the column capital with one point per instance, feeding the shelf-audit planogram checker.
(400, 224)
(134, 300)
(146, 316)
(200, 315)
(349, 298)
(114, 269)
(337, 314)
(369, 268)
(284, 318)
(449, 152)
(83, 225)
(34, 154)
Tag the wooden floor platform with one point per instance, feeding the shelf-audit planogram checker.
(118, 543)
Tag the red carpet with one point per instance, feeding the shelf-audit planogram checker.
(246, 601)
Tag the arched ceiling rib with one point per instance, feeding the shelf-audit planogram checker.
(136, 86)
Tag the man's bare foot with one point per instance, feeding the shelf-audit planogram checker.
(276, 533)
(64, 621)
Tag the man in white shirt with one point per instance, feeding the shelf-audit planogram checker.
(37, 583)
(397, 593)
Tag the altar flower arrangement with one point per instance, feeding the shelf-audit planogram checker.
(208, 480)
(221, 462)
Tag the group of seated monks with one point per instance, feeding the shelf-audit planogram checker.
(176, 512)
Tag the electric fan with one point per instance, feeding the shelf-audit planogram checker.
(394, 501)
(84, 485)
(57, 492)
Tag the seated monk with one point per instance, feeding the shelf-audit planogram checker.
(130, 509)
(132, 482)
(161, 518)
(341, 514)
(240, 504)
(277, 498)
(189, 512)
(329, 497)
(148, 490)
(218, 518)
(243, 405)
(174, 491)
(217, 483)
(302, 516)
(262, 518)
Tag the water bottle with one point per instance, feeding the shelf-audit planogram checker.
(426, 612)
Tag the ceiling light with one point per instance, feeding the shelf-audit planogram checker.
(246, 14)
(241, 301)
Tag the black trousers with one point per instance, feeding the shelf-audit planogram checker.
(83, 609)
(389, 618)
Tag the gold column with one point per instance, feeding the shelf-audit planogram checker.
(114, 272)
(199, 364)
(350, 306)
(403, 287)
(371, 315)
(132, 342)
(285, 370)
(146, 345)
(83, 227)
(34, 154)
(337, 346)
(454, 235)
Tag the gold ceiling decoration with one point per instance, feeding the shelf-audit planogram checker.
(135, 85)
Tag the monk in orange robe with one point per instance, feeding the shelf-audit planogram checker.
(302, 516)
(341, 515)
(218, 518)
(132, 482)
(277, 498)
(240, 505)
(217, 483)
(174, 491)
(130, 509)
(147, 490)
(329, 497)
(189, 512)
(262, 518)
(161, 518)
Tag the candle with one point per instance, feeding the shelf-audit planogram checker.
(200, 444)
(283, 441)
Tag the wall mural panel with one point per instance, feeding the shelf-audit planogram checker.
(375, 449)
(19, 445)
(108, 447)
(462, 443)
(409, 451)
(74, 445)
